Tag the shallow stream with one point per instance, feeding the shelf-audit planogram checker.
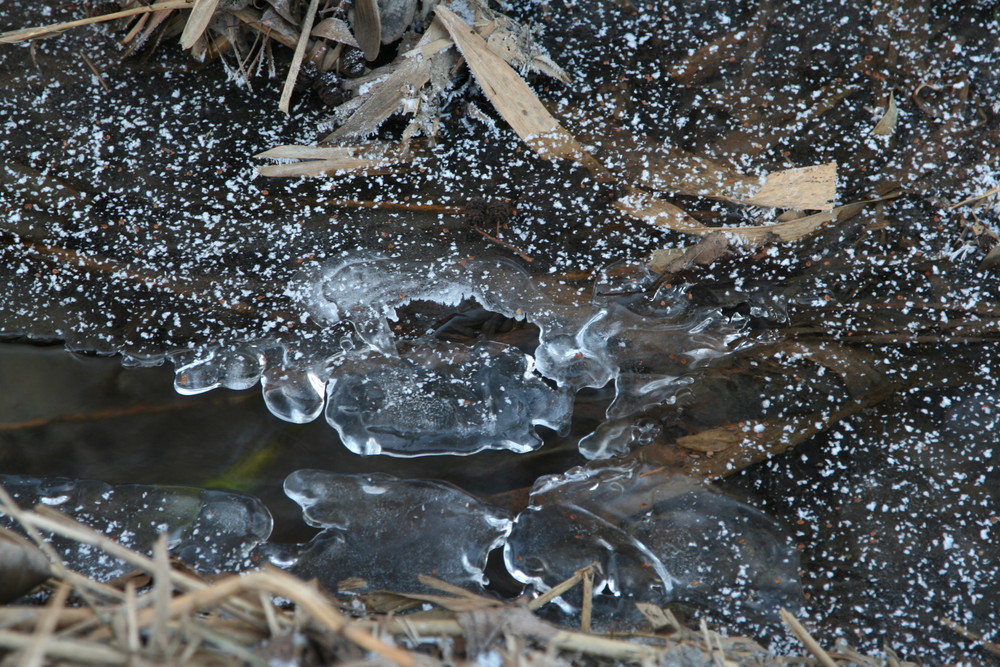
(487, 318)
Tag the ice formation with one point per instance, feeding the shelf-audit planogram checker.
(654, 536)
(212, 531)
(428, 398)
(386, 531)
(442, 400)
(415, 396)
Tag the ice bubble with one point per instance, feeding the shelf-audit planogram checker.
(653, 536)
(435, 399)
(212, 531)
(386, 531)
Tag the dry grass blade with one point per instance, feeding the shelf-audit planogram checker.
(989, 193)
(444, 586)
(323, 160)
(887, 123)
(73, 650)
(802, 188)
(14, 36)
(300, 52)
(198, 20)
(807, 640)
(35, 655)
(587, 611)
(989, 647)
(509, 93)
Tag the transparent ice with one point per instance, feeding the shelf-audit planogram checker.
(387, 531)
(654, 536)
(212, 531)
(427, 399)
(442, 400)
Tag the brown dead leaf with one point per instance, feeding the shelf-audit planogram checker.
(707, 250)
(368, 28)
(804, 188)
(887, 124)
(656, 211)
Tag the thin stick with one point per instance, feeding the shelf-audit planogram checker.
(100, 79)
(15, 36)
(131, 618)
(161, 594)
(300, 52)
(989, 193)
(558, 589)
(970, 635)
(807, 640)
(65, 649)
(520, 253)
(588, 601)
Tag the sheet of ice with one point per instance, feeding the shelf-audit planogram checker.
(442, 399)
(655, 537)
(212, 531)
(387, 531)
(648, 351)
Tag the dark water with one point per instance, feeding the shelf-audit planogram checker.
(135, 232)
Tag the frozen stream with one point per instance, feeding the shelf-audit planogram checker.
(488, 318)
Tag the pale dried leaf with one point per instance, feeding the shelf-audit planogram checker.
(198, 20)
(324, 160)
(805, 188)
(509, 93)
(716, 439)
(313, 168)
(335, 30)
(887, 124)
(294, 152)
(656, 616)
(663, 214)
(368, 28)
(383, 100)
